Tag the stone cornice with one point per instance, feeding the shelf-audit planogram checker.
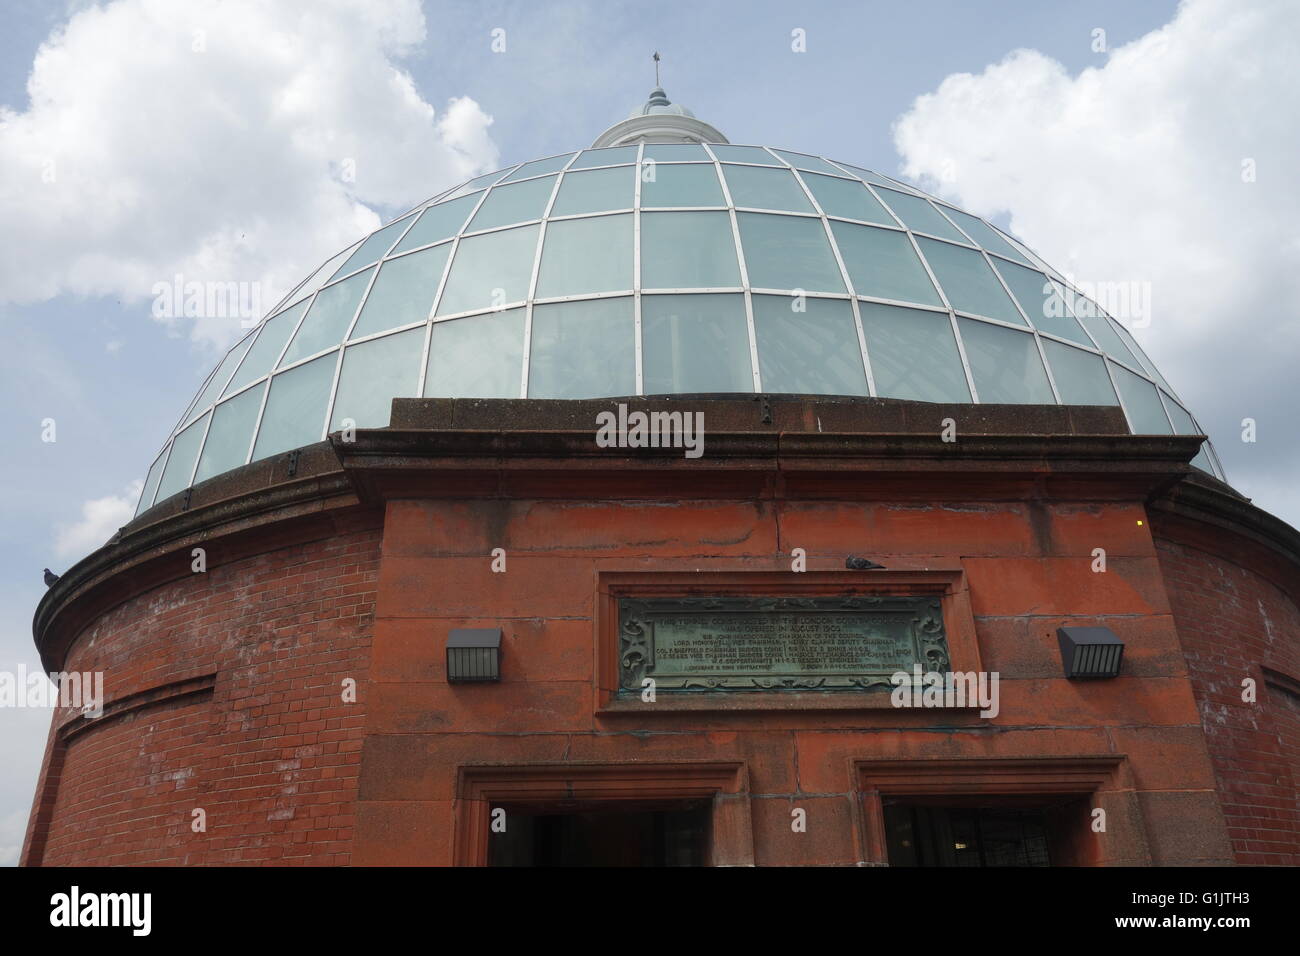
(755, 447)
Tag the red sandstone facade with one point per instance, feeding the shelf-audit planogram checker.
(226, 691)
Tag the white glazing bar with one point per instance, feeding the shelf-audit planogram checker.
(744, 275)
(639, 356)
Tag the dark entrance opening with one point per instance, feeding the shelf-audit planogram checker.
(620, 833)
(953, 834)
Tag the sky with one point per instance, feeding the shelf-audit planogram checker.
(1142, 143)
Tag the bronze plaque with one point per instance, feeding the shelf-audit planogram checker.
(772, 643)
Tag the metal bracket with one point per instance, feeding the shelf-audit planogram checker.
(767, 410)
(185, 503)
(293, 461)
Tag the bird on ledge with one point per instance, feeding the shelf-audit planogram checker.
(861, 564)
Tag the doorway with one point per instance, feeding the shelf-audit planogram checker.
(601, 834)
(970, 835)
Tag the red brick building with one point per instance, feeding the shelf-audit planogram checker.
(290, 702)
(225, 688)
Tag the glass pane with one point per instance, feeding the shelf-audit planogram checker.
(913, 354)
(883, 264)
(1025, 254)
(150, 485)
(788, 252)
(1202, 460)
(537, 167)
(328, 318)
(403, 291)
(765, 189)
(674, 153)
(1005, 364)
(477, 183)
(743, 154)
(605, 157)
(267, 348)
(1136, 351)
(1146, 415)
(984, 234)
(216, 383)
(515, 203)
(807, 162)
(596, 191)
(438, 222)
(874, 178)
(491, 270)
(464, 191)
(1102, 331)
(688, 250)
(295, 409)
(373, 374)
(1080, 376)
(682, 186)
(918, 215)
(847, 198)
(373, 249)
(176, 476)
(968, 281)
(1214, 457)
(813, 352)
(230, 435)
(583, 350)
(1183, 424)
(319, 277)
(695, 343)
(1038, 297)
(586, 255)
(478, 357)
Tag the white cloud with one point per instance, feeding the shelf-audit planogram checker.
(100, 519)
(231, 141)
(1133, 170)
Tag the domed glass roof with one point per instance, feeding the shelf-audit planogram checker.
(661, 268)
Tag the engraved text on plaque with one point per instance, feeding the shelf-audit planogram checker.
(769, 643)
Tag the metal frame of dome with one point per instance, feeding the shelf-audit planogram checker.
(1120, 355)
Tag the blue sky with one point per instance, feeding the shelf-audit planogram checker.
(1087, 183)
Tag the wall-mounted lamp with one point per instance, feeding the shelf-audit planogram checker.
(1089, 652)
(474, 654)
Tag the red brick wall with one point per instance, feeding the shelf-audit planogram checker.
(1233, 622)
(270, 752)
(281, 768)
(1029, 569)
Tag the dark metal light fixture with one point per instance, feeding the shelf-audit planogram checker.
(1090, 651)
(474, 654)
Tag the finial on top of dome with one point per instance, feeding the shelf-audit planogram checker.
(659, 120)
(657, 96)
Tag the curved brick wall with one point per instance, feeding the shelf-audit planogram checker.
(1234, 623)
(223, 692)
(223, 689)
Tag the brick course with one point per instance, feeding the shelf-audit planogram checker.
(270, 753)
(1233, 622)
